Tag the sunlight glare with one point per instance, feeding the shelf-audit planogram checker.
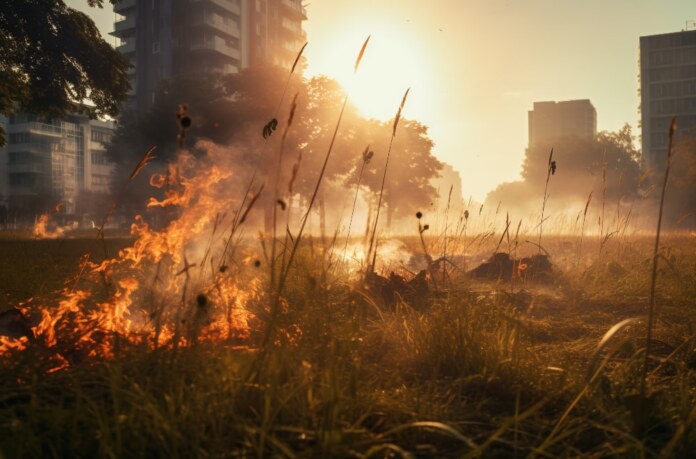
(393, 62)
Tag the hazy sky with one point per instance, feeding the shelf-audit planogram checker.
(476, 67)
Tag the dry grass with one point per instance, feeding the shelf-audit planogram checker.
(477, 370)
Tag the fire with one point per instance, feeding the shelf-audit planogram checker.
(41, 230)
(165, 289)
(8, 344)
(391, 253)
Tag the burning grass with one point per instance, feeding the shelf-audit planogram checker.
(479, 369)
(195, 339)
(179, 344)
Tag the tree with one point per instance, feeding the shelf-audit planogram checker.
(231, 110)
(607, 165)
(412, 165)
(584, 163)
(680, 200)
(53, 60)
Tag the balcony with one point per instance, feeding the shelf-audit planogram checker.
(44, 129)
(127, 47)
(124, 5)
(215, 44)
(34, 148)
(124, 24)
(229, 68)
(27, 168)
(294, 27)
(228, 6)
(296, 7)
(230, 28)
(24, 190)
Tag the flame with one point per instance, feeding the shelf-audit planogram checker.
(391, 253)
(142, 297)
(8, 344)
(41, 230)
(40, 226)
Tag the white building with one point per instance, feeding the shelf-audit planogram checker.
(47, 162)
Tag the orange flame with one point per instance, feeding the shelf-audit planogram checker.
(146, 303)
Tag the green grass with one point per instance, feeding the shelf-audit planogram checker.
(477, 370)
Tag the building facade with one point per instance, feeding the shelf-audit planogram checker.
(51, 162)
(275, 33)
(167, 38)
(667, 89)
(551, 121)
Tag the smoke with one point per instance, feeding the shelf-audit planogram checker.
(600, 184)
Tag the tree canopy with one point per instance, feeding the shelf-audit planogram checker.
(607, 165)
(53, 60)
(680, 201)
(231, 111)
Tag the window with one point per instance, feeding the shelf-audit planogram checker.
(100, 136)
(100, 179)
(19, 137)
(99, 157)
(23, 157)
(22, 180)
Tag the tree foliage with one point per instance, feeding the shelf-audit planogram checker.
(680, 203)
(608, 165)
(53, 60)
(231, 110)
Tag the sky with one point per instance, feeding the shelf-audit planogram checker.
(475, 68)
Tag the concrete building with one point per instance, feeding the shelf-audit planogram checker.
(166, 38)
(551, 121)
(46, 162)
(667, 89)
(275, 34)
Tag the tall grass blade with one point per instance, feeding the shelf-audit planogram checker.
(297, 59)
(361, 54)
(653, 277)
(381, 190)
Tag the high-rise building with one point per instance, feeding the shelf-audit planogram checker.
(166, 38)
(551, 121)
(275, 33)
(667, 89)
(46, 162)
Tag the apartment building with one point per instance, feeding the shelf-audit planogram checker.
(667, 89)
(50, 161)
(167, 38)
(551, 121)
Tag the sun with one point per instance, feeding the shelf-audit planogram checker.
(393, 61)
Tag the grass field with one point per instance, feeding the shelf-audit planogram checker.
(471, 369)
